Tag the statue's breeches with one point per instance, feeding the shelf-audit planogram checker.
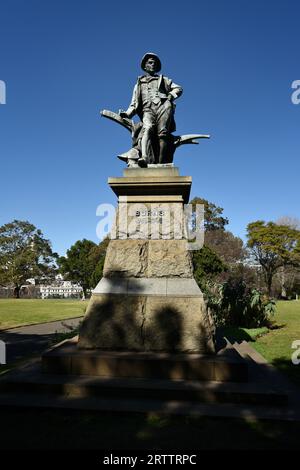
(159, 118)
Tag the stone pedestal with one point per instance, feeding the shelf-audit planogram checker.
(146, 342)
(148, 300)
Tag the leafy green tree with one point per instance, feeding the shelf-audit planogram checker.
(24, 254)
(288, 276)
(213, 215)
(207, 265)
(83, 263)
(98, 254)
(273, 246)
(207, 262)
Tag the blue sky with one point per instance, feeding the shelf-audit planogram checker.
(63, 61)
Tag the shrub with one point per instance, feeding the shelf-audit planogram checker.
(233, 303)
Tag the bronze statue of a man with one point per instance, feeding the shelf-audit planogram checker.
(152, 101)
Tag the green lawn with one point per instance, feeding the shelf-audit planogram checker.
(17, 312)
(276, 345)
(233, 333)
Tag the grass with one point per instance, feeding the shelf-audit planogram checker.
(276, 345)
(19, 312)
(233, 333)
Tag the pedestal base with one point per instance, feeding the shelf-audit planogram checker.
(148, 315)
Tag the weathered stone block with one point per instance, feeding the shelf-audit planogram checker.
(177, 324)
(169, 258)
(113, 322)
(148, 258)
(126, 258)
(147, 323)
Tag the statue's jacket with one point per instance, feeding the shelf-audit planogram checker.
(166, 88)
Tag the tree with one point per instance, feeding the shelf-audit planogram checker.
(84, 263)
(287, 282)
(207, 262)
(98, 255)
(24, 254)
(207, 265)
(273, 246)
(228, 247)
(288, 276)
(213, 218)
(292, 222)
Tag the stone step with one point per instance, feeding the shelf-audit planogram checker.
(149, 389)
(66, 358)
(122, 405)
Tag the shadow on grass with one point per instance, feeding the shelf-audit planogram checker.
(289, 369)
(276, 326)
(66, 430)
(236, 334)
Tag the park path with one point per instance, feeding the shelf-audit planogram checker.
(26, 341)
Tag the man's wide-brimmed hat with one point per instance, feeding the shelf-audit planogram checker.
(147, 56)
